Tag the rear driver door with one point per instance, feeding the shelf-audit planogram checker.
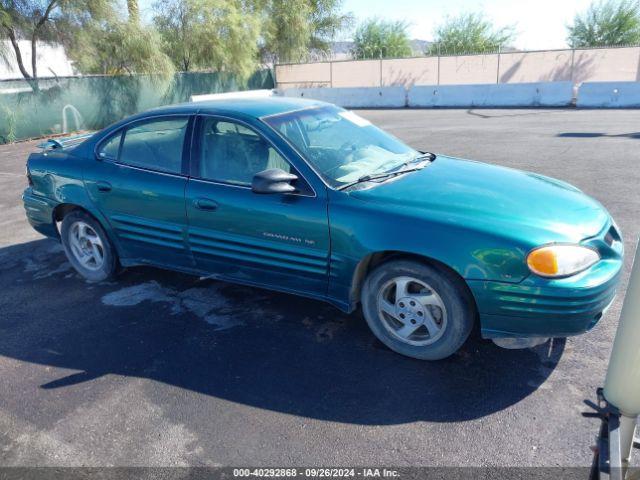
(138, 183)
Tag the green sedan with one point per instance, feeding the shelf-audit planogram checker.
(307, 198)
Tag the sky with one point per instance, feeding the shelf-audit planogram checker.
(539, 24)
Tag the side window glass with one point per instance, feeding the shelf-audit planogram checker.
(232, 153)
(155, 144)
(109, 149)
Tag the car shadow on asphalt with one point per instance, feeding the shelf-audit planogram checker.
(632, 135)
(267, 350)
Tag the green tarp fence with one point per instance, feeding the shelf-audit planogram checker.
(89, 103)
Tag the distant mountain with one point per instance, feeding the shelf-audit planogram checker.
(420, 46)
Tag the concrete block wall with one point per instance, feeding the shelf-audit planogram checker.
(607, 65)
(304, 75)
(359, 97)
(409, 71)
(364, 73)
(609, 95)
(528, 67)
(539, 94)
(593, 65)
(468, 69)
(550, 94)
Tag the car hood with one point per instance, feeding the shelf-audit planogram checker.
(496, 199)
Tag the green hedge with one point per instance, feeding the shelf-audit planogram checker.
(90, 103)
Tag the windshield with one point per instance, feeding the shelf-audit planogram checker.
(341, 145)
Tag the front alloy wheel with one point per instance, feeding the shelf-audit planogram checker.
(417, 309)
(412, 311)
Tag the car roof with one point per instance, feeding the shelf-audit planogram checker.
(253, 107)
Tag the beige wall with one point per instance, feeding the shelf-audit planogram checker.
(606, 65)
(552, 66)
(610, 64)
(468, 69)
(410, 71)
(304, 75)
(362, 73)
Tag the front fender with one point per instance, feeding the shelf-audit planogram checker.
(360, 229)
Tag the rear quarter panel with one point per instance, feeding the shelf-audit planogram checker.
(58, 179)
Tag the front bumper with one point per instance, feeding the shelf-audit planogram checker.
(540, 307)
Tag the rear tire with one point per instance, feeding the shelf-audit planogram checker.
(417, 310)
(87, 247)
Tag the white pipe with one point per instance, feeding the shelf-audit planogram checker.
(627, 430)
(622, 385)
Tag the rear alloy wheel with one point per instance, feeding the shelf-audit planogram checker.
(87, 247)
(417, 310)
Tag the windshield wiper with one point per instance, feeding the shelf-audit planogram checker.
(423, 156)
(419, 158)
(394, 172)
(379, 176)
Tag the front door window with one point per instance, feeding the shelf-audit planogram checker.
(232, 153)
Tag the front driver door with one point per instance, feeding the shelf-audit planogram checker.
(138, 183)
(276, 240)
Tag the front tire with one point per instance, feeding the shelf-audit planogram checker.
(417, 310)
(87, 246)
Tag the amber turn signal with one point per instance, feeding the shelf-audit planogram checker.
(561, 260)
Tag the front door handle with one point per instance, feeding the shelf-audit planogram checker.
(103, 186)
(205, 204)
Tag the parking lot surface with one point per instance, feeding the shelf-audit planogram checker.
(158, 368)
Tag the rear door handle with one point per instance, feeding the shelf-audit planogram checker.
(205, 204)
(103, 186)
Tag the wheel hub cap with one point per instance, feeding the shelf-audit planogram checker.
(407, 308)
(86, 246)
(412, 311)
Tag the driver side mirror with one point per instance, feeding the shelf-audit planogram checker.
(273, 180)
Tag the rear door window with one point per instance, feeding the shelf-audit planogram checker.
(109, 149)
(155, 144)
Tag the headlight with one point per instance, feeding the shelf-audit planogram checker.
(561, 260)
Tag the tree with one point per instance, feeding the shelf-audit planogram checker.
(377, 38)
(39, 20)
(287, 31)
(119, 47)
(295, 28)
(327, 21)
(469, 33)
(116, 43)
(205, 34)
(612, 22)
(95, 36)
(134, 11)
